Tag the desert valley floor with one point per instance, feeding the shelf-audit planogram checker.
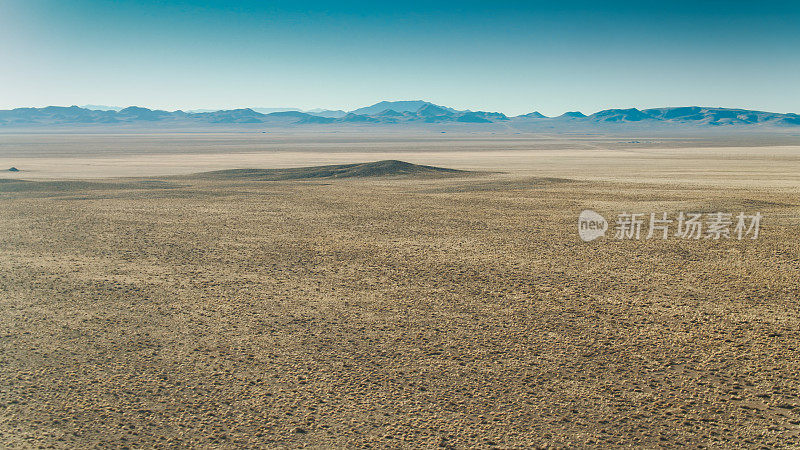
(145, 306)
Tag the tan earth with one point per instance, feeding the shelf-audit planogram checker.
(413, 309)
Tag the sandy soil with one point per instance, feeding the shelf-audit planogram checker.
(770, 161)
(453, 312)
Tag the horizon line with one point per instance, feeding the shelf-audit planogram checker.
(201, 110)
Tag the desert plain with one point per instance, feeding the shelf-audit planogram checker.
(145, 304)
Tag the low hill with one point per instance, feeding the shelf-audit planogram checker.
(387, 168)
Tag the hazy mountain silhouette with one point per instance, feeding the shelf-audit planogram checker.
(102, 107)
(139, 113)
(399, 106)
(390, 113)
(721, 116)
(316, 119)
(272, 110)
(334, 113)
(620, 115)
(572, 115)
(534, 115)
(400, 113)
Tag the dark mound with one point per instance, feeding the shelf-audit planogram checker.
(388, 168)
(13, 169)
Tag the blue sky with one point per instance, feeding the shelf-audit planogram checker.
(513, 57)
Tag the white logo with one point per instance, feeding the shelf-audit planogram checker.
(591, 225)
(634, 226)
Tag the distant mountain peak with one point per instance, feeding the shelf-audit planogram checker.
(534, 115)
(390, 113)
(429, 109)
(401, 106)
(621, 115)
(133, 109)
(101, 107)
(573, 115)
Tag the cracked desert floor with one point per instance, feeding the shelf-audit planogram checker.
(144, 307)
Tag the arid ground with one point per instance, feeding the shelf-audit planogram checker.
(165, 309)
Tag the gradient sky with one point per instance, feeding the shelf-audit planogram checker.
(513, 57)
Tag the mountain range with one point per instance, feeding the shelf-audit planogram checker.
(395, 112)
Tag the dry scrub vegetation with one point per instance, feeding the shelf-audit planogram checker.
(390, 312)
